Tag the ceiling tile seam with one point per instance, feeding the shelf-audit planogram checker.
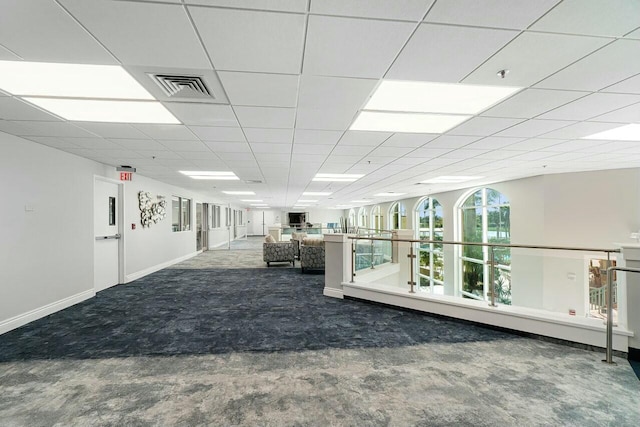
(520, 33)
(621, 81)
(404, 45)
(535, 21)
(241, 9)
(85, 29)
(590, 119)
(295, 117)
(630, 32)
(11, 51)
(206, 52)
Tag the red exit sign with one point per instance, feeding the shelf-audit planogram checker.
(126, 176)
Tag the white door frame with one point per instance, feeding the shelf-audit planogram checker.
(121, 228)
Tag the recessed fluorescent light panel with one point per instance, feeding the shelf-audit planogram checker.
(251, 200)
(259, 204)
(240, 193)
(389, 194)
(623, 133)
(210, 175)
(361, 201)
(307, 201)
(316, 193)
(337, 177)
(86, 110)
(428, 97)
(406, 122)
(69, 80)
(449, 179)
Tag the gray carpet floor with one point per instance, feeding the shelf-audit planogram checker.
(221, 340)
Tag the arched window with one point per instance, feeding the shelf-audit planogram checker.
(430, 261)
(352, 218)
(376, 218)
(362, 217)
(484, 217)
(397, 216)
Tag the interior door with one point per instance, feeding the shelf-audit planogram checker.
(199, 226)
(106, 223)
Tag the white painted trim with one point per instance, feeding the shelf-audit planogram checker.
(139, 274)
(581, 330)
(333, 293)
(217, 245)
(45, 310)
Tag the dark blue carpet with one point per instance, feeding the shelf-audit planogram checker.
(203, 311)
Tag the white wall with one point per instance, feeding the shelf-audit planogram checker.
(46, 254)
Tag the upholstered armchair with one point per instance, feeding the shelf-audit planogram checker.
(273, 251)
(312, 254)
(296, 239)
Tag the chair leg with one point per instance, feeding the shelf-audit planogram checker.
(268, 264)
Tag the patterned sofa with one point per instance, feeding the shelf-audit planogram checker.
(273, 251)
(312, 254)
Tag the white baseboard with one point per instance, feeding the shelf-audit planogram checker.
(226, 242)
(139, 274)
(333, 293)
(38, 313)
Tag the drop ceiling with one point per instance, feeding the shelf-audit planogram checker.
(289, 78)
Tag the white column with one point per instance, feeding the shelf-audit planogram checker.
(629, 291)
(337, 263)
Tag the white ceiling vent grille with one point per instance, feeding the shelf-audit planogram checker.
(177, 86)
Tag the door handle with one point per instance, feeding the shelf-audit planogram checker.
(115, 236)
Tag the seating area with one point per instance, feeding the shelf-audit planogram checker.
(309, 250)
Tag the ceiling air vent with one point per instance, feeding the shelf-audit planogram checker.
(176, 86)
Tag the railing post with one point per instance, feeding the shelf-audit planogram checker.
(609, 358)
(353, 260)
(372, 253)
(411, 282)
(492, 276)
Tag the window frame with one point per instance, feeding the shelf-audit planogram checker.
(431, 249)
(184, 218)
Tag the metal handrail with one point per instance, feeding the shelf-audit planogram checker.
(609, 358)
(501, 245)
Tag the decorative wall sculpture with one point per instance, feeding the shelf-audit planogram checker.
(151, 212)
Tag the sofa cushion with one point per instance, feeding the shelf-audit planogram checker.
(269, 239)
(310, 241)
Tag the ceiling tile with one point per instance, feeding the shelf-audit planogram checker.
(493, 143)
(450, 141)
(239, 40)
(32, 128)
(593, 17)
(333, 92)
(349, 150)
(366, 47)
(206, 133)
(534, 144)
(427, 153)
(262, 147)
(463, 154)
(137, 33)
(483, 126)
(611, 64)
(199, 155)
(43, 31)
(112, 130)
(630, 114)
(277, 5)
(409, 139)
(312, 149)
(516, 14)
(317, 137)
(15, 109)
(280, 136)
(139, 144)
(390, 152)
(95, 144)
(530, 103)
(357, 137)
(7, 55)
(59, 143)
(229, 147)
(162, 132)
(532, 128)
(630, 85)
(203, 114)
(266, 117)
(534, 155)
(433, 44)
(533, 56)
(338, 119)
(591, 105)
(410, 10)
(499, 154)
(580, 130)
(258, 89)
(185, 145)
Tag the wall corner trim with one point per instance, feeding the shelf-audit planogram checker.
(139, 274)
(45, 310)
(333, 293)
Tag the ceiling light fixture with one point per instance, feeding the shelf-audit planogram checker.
(210, 175)
(251, 200)
(316, 193)
(629, 132)
(406, 122)
(69, 80)
(449, 179)
(89, 110)
(337, 177)
(240, 193)
(430, 97)
(389, 194)
(307, 201)
(361, 201)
